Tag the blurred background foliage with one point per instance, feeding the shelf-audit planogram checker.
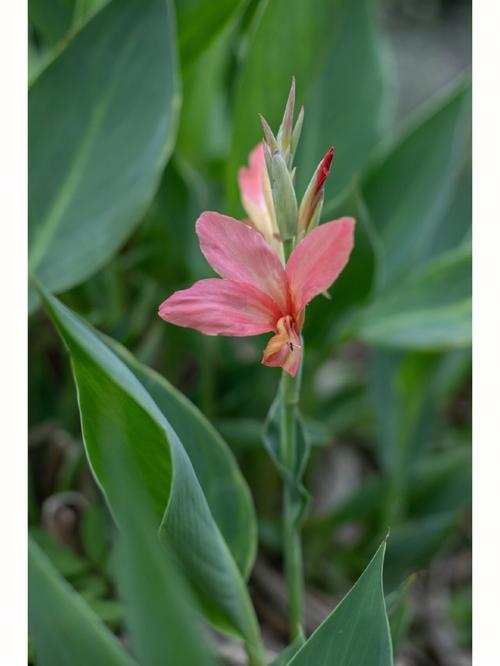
(139, 121)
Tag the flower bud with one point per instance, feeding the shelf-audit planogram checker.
(285, 131)
(270, 139)
(312, 201)
(297, 131)
(285, 202)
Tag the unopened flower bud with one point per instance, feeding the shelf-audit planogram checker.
(312, 201)
(285, 131)
(285, 202)
(297, 131)
(270, 139)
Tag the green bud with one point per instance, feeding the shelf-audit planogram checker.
(297, 131)
(268, 134)
(285, 201)
(285, 130)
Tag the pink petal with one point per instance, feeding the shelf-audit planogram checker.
(250, 178)
(221, 307)
(257, 198)
(318, 260)
(238, 252)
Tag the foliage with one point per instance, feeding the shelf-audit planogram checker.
(170, 443)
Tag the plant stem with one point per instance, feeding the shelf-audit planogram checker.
(292, 549)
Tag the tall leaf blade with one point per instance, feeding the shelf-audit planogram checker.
(159, 607)
(410, 186)
(223, 484)
(350, 104)
(102, 117)
(118, 414)
(63, 628)
(356, 633)
(199, 22)
(428, 310)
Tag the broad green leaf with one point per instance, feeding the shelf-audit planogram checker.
(429, 309)
(223, 484)
(51, 18)
(356, 633)
(350, 103)
(286, 38)
(159, 608)
(64, 630)
(409, 187)
(84, 9)
(199, 22)
(203, 130)
(117, 414)
(102, 116)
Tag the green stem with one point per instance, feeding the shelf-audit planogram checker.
(255, 655)
(292, 549)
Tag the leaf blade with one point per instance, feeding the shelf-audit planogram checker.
(361, 613)
(97, 150)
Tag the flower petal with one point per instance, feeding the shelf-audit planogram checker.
(221, 307)
(318, 260)
(238, 252)
(284, 350)
(256, 196)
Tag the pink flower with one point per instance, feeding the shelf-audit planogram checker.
(257, 294)
(257, 198)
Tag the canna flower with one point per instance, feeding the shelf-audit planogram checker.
(256, 293)
(257, 198)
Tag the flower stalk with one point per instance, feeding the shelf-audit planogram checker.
(270, 268)
(292, 546)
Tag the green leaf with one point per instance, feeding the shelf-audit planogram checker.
(414, 543)
(51, 18)
(429, 309)
(409, 187)
(203, 134)
(356, 633)
(118, 414)
(285, 655)
(223, 484)
(350, 104)
(287, 38)
(199, 22)
(159, 608)
(271, 437)
(102, 117)
(63, 628)
(67, 563)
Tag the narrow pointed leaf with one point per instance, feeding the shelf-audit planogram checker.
(411, 184)
(356, 633)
